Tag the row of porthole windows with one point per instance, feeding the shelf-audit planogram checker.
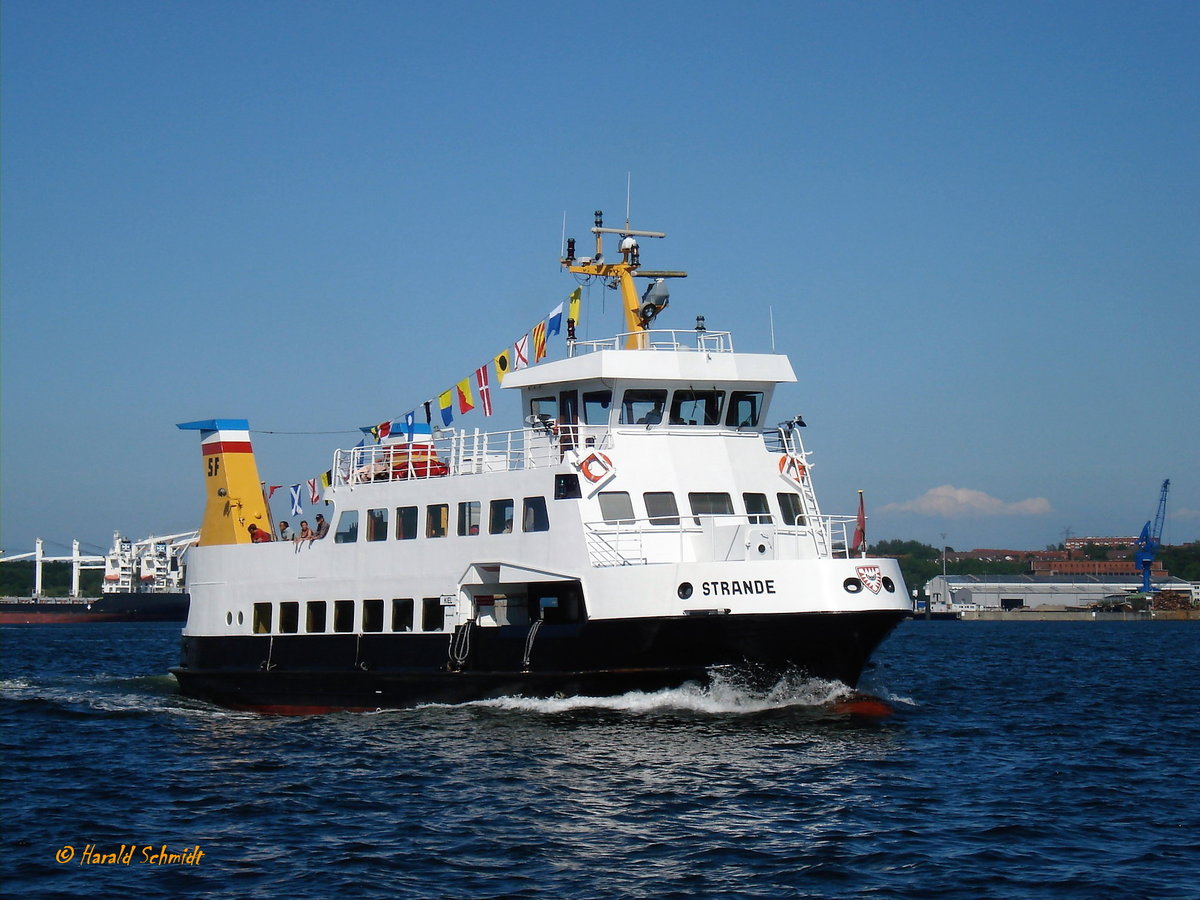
(534, 517)
(398, 616)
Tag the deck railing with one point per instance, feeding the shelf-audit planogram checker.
(715, 538)
(661, 339)
(453, 452)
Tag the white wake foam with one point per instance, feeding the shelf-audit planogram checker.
(727, 694)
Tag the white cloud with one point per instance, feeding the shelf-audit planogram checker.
(953, 502)
(1184, 513)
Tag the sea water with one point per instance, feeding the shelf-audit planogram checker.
(1036, 759)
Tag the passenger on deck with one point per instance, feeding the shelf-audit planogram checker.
(284, 533)
(305, 534)
(258, 535)
(322, 527)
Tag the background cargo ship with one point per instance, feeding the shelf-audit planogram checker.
(143, 581)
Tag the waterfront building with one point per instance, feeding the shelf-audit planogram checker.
(948, 593)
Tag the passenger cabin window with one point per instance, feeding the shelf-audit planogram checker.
(402, 614)
(757, 510)
(437, 520)
(615, 507)
(289, 617)
(347, 529)
(696, 407)
(500, 517)
(314, 619)
(566, 487)
(661, 508)
(534, 516)
(406, 523)
(372, 615)
(643, 407)
(433, 614)
(377, 524)
(596, 405)
(343, 615)
(745, 409)
(262, 618)
(468, 518)
(790, 509)
(709, 504)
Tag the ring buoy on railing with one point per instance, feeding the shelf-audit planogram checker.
(791, 467)
(595, 466)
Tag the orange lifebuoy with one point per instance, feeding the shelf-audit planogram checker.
(790, 467)
(593, 461)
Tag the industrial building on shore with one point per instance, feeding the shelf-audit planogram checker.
(968, 594)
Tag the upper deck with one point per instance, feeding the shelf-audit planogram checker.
(665, 355)
(678, 383)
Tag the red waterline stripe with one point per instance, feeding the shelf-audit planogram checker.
(225, 447)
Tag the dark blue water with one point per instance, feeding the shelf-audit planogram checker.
(1024, 760)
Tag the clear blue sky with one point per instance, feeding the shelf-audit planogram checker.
(977, 226)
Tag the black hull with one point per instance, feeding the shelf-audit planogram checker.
(315, 673)
(113, 607)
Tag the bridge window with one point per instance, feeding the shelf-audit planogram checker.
(615, 507)
(596, 405)
(791, 510)
(347, 530)
(710, 504)
(314, 620)
(372, 615)
(643, 407)
(402, 614)
(343, 615)
(757, 510)
(544, 406)
(661, 508)
(289, 617)
(406, 523)
(696, 407)
(745, 409)
(534, 516)
(437, 520)
(468, 518)
(377, 524)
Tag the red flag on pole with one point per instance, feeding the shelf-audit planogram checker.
(860, 528)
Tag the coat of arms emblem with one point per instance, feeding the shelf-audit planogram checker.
(871, 577)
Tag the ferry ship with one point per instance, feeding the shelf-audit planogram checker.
(642, 528)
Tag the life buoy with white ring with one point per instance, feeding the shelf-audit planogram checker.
(790, 467)
(595, 466)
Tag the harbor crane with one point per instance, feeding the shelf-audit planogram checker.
(1150, 539)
